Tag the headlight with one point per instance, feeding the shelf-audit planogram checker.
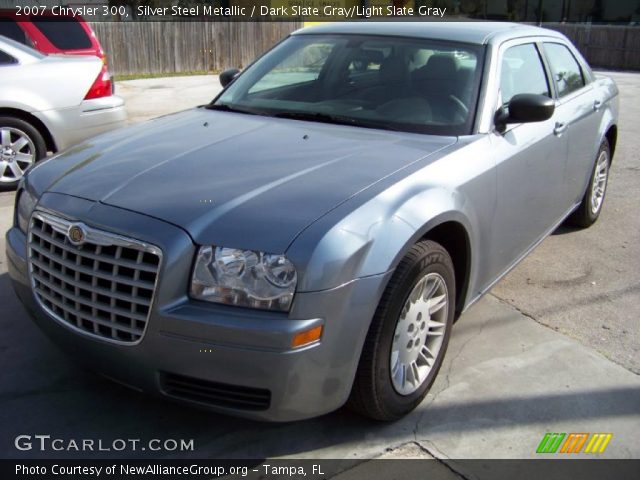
(26, 204)
(244, 278)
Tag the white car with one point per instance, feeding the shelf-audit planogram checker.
(48, 103)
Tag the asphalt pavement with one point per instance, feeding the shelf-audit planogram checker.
(586, 283)
(553, 348)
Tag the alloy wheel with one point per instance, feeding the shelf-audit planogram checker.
(599, 184)
(17, 153)
(419, 334)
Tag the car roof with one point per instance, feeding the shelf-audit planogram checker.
(17, 49)
(475, 32)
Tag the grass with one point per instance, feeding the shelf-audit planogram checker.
(136, 76)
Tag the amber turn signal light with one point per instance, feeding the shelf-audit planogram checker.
(307, 337)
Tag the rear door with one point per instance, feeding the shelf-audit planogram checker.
(530, 160)
(578, 110)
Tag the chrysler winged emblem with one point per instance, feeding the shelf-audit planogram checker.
(76, 234)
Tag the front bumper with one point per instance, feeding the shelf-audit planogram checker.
(70, 126)
(225, 350)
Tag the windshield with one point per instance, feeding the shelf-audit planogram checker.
(406, 84)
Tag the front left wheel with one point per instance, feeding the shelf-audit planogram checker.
(21, 145)
(408, 337)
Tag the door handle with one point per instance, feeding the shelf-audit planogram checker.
(596, 105)
(559, 128)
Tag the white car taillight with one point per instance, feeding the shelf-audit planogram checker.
(102, 86)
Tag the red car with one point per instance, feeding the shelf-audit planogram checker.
(51, 34)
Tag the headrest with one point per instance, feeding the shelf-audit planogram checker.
(394, 69)
(439, 66)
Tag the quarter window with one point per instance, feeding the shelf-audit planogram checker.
(566, 69)
(522, 72)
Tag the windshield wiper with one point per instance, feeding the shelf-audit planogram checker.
(225, 107)
(335, 119)
(310, 116)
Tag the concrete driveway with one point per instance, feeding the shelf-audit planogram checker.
(553, 348)
(148, 98)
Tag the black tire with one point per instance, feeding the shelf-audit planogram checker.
(585, 216)
(34, 136)
(373, 394)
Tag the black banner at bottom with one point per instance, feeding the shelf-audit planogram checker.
(400, 469)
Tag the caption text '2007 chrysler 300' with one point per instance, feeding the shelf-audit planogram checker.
(307, 239)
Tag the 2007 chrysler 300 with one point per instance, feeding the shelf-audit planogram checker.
(308, 238)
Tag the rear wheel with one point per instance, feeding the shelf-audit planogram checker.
(589, 210)
(408, 336)
(21, 145)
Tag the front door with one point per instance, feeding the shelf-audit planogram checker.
(530, 163)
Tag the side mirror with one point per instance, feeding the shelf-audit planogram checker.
(228, 76)
(525, 108)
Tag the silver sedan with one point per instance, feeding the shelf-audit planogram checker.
(308, 238)
(48, 103)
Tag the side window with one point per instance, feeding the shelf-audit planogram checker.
(6, 59)
(522, 72)
(10, 29)
(566, 69)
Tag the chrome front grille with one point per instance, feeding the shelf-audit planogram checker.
(102, 285)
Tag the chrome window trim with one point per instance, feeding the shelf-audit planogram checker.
(491, 92)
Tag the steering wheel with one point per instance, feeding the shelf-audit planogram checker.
(461, 109)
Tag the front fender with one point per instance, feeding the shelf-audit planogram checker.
(369, 234)
(374, 238)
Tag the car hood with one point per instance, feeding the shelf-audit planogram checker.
(233, 179)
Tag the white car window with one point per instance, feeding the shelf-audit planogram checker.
(6, 59)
